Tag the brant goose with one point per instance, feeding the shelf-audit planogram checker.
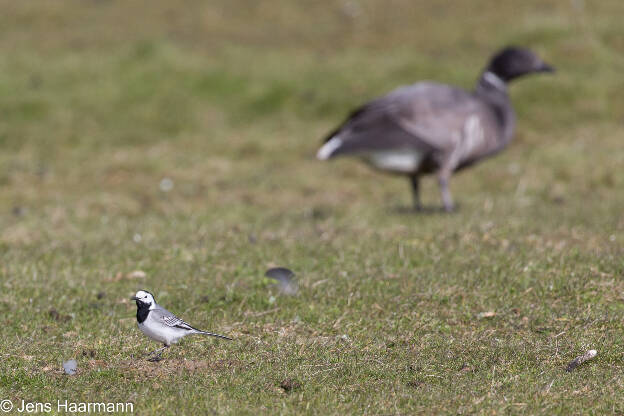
(429, 127)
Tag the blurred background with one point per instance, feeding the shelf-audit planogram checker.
(170, 146)
(100, 100)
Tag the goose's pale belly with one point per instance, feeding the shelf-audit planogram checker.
(401, 161)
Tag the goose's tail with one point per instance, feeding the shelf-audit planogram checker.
(327, 150)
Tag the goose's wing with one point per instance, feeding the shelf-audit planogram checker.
(425, 116)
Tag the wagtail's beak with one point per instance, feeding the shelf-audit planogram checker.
(134, 298)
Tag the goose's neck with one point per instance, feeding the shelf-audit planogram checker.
(493, 89)
(489, 82)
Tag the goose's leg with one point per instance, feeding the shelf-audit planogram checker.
(415, 182)
(444, 177)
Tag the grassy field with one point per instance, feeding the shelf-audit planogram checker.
(102, 102)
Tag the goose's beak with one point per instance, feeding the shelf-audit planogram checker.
(544, 67)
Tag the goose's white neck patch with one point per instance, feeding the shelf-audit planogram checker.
(328, 148)
(494, 80)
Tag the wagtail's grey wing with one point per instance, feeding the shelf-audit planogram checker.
(165, 317)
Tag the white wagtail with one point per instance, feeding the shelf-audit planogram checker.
(161, 325)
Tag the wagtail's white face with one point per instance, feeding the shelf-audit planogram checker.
(144, 298)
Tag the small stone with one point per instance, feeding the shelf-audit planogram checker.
(137, 274)
(581, 359)
(290, 384)
(70, 367)
(166, 185)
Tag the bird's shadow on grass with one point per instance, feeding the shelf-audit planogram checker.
(422, 211)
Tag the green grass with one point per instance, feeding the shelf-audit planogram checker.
(101, 100)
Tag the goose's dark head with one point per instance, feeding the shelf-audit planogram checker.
(513, 62)
(144, 299)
